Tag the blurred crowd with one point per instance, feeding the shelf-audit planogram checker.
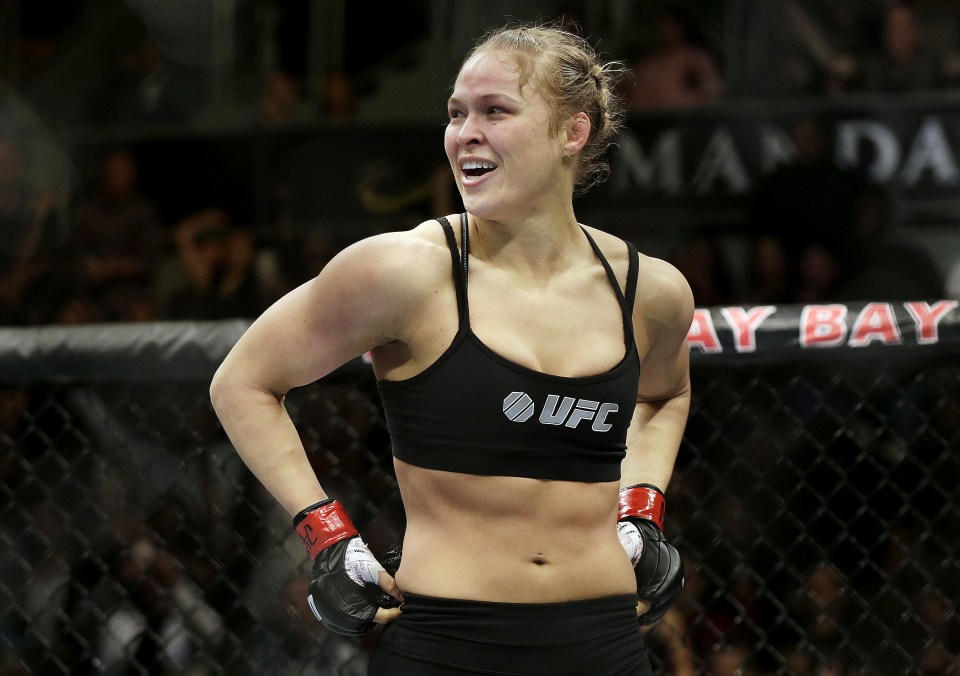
(112, 253)
(153, 578)
(156, 68)
(96, 243)
(814, 232)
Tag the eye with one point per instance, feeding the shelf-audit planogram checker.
(495, 110)
(455, 114)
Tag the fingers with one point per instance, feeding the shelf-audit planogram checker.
(386, 615)
(389, 585)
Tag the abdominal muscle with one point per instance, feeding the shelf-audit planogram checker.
(510, 539)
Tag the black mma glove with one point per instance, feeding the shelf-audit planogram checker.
(656, 563)
(344, 594)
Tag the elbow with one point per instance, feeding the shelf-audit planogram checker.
(224, 388)
(232, 390)
(218, 389)
(682, 396)
(677, 399)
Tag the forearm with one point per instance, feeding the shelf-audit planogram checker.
(298, 340)
(268, 442)
(654, 440)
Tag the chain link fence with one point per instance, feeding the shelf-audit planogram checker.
(815, 501)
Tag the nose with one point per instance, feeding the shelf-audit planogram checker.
(470, 131)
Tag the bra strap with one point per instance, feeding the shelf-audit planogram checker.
(459, 273)
(633, 272)
(465, 261)
(626, 302)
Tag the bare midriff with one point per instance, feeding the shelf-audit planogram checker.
(510, 539)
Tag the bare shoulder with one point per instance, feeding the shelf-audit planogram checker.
(614, 250)
(394, 258)
(390, 271)
(366, 296)
(664, 302)
(662, 290)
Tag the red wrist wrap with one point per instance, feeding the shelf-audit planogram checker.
(644, 502)
(324, 526)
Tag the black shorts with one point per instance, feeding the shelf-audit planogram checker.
(439, 636)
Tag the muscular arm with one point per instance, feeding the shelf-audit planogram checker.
(662, 317)
(355, 304)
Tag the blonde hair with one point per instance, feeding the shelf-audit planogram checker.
(571, 76)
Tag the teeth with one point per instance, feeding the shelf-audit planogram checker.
(473, 164)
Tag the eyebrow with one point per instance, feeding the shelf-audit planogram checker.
(453, 100)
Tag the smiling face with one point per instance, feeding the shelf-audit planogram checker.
(506, 155)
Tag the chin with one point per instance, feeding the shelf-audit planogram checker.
(476, 206)
(487, 208)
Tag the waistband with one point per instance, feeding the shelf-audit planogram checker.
(521, 624)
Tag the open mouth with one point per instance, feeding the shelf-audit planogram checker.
(476, 169)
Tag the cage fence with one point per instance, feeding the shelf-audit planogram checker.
(814, 501)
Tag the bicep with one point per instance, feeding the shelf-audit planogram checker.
(340, 314)
(665, 375)
(664, 322)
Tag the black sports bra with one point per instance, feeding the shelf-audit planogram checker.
(475, 412)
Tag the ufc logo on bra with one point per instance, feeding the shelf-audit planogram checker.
(566, 411)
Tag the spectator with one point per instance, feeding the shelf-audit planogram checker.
(15, 198)
(339, 97)
(887, 51)
(670, 639)
(799, 662)
(702, 263)
(217, 276)
(43, 24)
(150, 90)
(819, 64)
(36, 581)
(951, 68)
(817, 274)
(903, 60)
(938, 618)
(306, 648)
(700, 594)
(768, 274)
(678, 72)
(281, 102)
(884, 265)
(819, 607)
(76, 309)
(120, 239)
(164, 624)
(44, 598)
(730, 660)
(803, 221)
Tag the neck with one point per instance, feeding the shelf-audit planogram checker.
(536, 245)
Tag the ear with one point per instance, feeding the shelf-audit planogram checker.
(577, 132)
